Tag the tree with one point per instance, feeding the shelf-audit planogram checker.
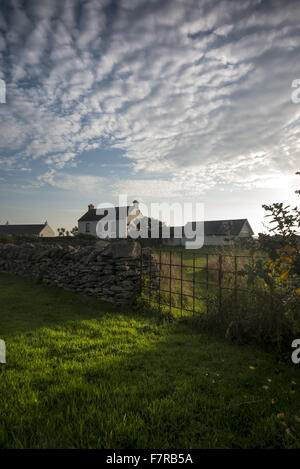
(274, 273)
(282, 244)
(61, 231)
(74, 231)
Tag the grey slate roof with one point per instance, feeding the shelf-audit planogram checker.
(219, 227)
(91, 215)
(21, 229)
(224, 227)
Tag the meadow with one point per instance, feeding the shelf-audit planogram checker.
(81, 373)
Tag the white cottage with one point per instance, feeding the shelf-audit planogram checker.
(87, 224)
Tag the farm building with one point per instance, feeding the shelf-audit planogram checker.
(216, 232)
(43, 230)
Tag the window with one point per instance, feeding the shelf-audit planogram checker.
(87, 227)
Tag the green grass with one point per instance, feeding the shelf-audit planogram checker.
(200, 266)
(81, 374)
(194, 265)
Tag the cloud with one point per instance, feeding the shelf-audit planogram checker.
(190, 90)
(85, 184)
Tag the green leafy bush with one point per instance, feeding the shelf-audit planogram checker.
(268, 311)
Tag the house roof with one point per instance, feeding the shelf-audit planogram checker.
(225, 227)
(91, 215)
(220, 227)
(21, 229)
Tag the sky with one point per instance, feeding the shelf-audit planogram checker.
(164, 101)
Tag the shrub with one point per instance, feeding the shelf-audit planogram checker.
(268, 312)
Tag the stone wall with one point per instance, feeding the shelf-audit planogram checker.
(107, 270)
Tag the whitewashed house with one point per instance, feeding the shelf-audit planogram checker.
(87, 224)
(216, 232)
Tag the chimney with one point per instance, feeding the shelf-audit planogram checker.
(91, 207)
(135, 206)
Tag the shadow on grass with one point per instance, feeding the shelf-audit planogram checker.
(148, 388)
(27, 305)
(87, 379)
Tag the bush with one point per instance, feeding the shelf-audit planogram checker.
(268, 311)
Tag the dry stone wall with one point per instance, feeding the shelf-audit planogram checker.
(107, 270)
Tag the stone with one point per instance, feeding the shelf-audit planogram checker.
(107, 252)
(107, 270)
(101, 244)
(126, 248)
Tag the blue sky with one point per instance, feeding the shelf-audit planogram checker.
(165, 101)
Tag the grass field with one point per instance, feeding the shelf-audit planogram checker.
(199, 273)
(81, 374)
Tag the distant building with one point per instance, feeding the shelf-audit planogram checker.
(216, 233)
(87, 224)
(43, 230)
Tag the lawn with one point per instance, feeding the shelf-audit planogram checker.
(81, 374)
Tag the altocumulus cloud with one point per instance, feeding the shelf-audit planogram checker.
(198, 92)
